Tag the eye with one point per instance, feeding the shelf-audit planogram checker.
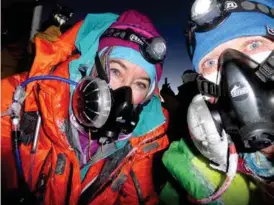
(141, 86)
(251, 46)
(209, 66)
(115, 72)
(211, 63)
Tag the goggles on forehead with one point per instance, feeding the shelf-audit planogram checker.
(152, 49)
(208, 14)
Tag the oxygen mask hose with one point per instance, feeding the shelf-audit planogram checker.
(232, 170)
(15, 112)
(15, 107)
(22, 194)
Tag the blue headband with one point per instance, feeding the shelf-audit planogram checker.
(136, 58)
(237, 25)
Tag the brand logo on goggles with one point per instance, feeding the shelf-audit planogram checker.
(229, 5)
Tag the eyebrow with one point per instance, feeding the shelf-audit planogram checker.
(125, 67)
(119, 62)
(145, 78)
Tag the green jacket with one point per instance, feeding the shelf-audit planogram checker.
(193, 174)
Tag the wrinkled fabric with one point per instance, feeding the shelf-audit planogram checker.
(259, 164)
(55, 157)
(194, 175)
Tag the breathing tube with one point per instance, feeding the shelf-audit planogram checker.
(231, 172)
(15, 112)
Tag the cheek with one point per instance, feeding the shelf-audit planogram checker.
(208, 70)
(114, 84)
(138, 97)
(271, 45)
(213, 77)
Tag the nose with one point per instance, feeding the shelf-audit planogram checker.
(128, 81)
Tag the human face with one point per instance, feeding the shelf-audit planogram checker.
(248, 45)
(125, 73)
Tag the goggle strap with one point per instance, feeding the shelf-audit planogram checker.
(190, 43)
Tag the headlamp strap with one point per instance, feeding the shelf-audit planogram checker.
(125, 34)
(247, 6)
(100, 70)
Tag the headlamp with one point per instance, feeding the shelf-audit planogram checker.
(152, 49)
(208, 14)
(204, 12)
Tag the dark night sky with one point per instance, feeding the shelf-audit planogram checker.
(169, 16)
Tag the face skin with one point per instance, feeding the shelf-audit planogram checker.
(249, 46)
(125, 73)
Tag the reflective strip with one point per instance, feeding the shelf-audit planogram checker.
(117, 184)
(151, 146)
(61, 163)
(137, 187)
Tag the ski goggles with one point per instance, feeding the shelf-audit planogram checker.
(152, 49)
(208, 14)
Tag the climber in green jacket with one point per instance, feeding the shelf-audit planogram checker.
(213, 165)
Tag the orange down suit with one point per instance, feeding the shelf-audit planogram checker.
(131, 182)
